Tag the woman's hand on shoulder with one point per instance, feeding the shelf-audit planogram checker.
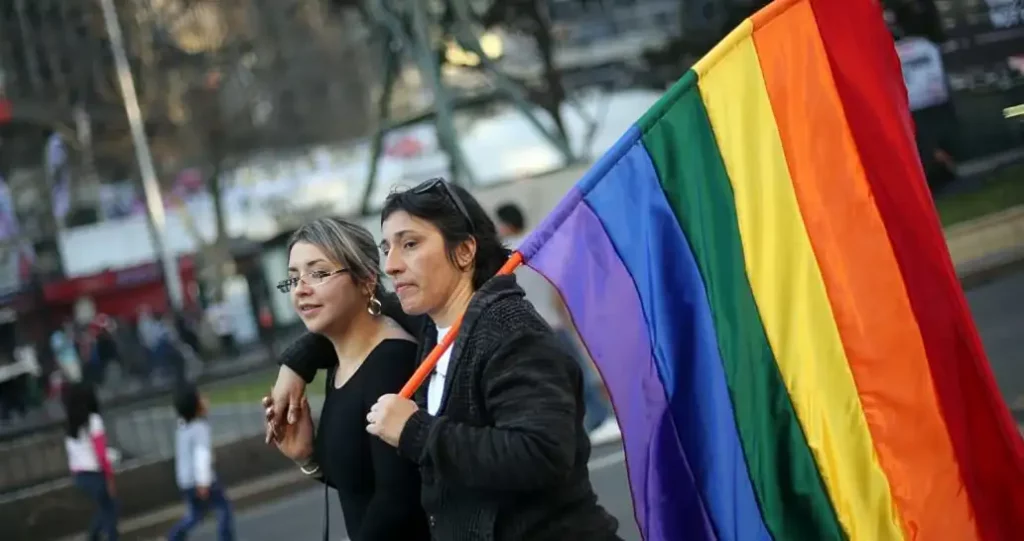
(294, 440)
(285, 397)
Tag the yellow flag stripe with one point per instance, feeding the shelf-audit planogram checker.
(790, 292)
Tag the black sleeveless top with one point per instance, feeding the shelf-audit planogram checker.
(379, 491)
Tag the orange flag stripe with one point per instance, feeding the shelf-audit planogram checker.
(883, 343)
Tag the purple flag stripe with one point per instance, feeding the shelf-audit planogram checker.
(577, 256)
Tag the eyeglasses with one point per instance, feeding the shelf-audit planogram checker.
(311, 279)
(433, 183)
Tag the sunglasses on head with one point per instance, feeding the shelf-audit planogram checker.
(439, 182)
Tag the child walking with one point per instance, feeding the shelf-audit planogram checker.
(86, 446)
(193, 464)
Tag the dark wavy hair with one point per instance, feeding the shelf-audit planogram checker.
(79, 403)
(186, 402)
(439, 208)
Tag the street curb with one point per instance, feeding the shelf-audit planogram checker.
(988, 247)
(156, 524)
(988, 269)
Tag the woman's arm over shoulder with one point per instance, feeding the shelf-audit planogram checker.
(391, 308)
(394, 511)
(309, 353)
(529, 387)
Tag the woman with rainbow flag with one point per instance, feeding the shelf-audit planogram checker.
(498, 429)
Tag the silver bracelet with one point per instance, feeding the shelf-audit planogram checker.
(309, 467)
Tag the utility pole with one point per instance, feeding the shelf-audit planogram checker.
(150, 184)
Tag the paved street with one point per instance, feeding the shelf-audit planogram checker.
(998, 311)
(301, 516)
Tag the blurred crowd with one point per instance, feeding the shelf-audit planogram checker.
(113, 354)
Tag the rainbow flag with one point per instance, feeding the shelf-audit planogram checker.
(757, 270)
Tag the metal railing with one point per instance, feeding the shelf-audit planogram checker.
(140, 429)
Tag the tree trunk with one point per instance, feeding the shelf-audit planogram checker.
(552, 77)
(217, 255)
(217, 196)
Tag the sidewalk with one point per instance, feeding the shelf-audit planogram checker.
(988, 247)
(154, 526)
(990, 163)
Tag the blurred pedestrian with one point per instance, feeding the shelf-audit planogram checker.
(180, 355)
(99, 348)
(193, 467)
(19, 383)
(219, 316)
(267, 328)
(599, 420)
(155, 333)
(185, 325)
(940, 169)
(62, 343)
(88, 459)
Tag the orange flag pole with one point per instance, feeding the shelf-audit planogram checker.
(428, 364)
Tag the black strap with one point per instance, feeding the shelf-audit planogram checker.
(327, 514)
(328, 383)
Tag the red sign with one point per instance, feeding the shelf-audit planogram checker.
(5, 110)
(404, 147)
(68, 291)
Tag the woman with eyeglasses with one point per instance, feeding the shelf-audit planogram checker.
(334, 284)
(497, 430)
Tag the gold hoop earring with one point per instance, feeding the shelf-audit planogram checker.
(374, 307)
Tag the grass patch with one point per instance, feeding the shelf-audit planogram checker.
(1004, 189)
(251, 390)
